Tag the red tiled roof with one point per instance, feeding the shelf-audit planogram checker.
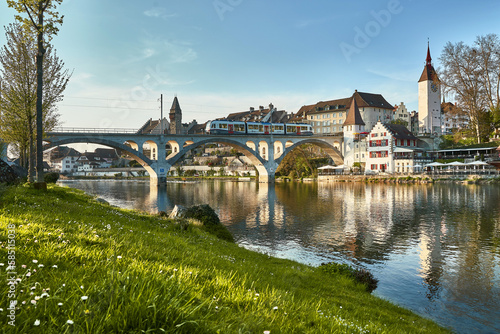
(400, 131)
(353, 116)
(429, 73)
(363, 100)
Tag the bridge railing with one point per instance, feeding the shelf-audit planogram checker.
(92, 130)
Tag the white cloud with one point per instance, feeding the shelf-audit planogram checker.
(158, 12)
(399, 76)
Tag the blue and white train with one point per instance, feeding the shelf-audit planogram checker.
(225, 127)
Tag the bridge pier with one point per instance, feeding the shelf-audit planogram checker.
(155, 181)
(267, 171)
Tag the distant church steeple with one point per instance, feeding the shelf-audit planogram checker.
(175, 118)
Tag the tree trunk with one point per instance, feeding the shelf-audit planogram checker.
(39, 97)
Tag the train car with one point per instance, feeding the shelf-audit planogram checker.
(278, 128)
(299, 129)
(258, 128)
(224, 127)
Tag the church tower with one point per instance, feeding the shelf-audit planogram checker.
(175, 118)
(429, 99)
(353, 126)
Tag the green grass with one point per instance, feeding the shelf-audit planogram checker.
(115, 271)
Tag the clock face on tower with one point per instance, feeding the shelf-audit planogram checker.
(434, 87)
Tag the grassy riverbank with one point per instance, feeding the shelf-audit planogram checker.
(86, 267)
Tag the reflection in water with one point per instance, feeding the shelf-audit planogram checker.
(434, 248)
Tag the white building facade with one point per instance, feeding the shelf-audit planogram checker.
(391, 149)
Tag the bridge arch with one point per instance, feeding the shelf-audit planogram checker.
(332, 152)
(238, 145)
(140, 157)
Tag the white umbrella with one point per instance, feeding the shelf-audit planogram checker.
(477, 163)
(456, 163)
(435, 164)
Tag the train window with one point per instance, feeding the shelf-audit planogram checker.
(223, 126)
(239, 127)
(303, 128)
(261, 128)
(213, 126)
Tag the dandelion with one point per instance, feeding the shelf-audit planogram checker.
(37, 322)
(70, 322)
(85, 297)
(87, 312)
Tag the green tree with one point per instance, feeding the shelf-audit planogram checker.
(42, 22)
(399, 122)
(179, 170)
(472, 73)
(18, 74)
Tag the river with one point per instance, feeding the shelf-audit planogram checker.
(434, 248)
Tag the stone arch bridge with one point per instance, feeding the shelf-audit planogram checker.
(265, 151)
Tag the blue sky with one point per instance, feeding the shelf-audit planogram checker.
(223, 56)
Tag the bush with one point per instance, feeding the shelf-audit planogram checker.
(51, 177)
(362, 276)
(211, 223)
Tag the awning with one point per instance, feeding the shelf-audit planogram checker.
(402, 150)
(327, 167)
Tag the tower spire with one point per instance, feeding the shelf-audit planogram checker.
(429, 59)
